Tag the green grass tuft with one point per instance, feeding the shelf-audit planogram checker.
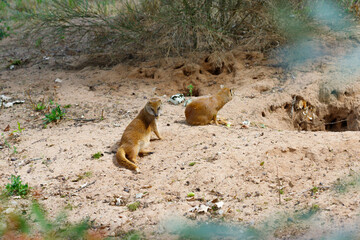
(16, 188)
(55, 115)
(133, 206)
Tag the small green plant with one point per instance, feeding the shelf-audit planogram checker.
(19, 129)
(17, 62)
(133, 206)
(6, 143)
(55, 115)
(190, 194)
(192, 164)
(314, 190)
(16, 188)
(4, 30)
(38, 42)
(82, 176)
(97, 155)
(39, 106)
(262, 163)
(191, 88)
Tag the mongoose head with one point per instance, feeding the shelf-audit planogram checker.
(153, 107)
(226, 93)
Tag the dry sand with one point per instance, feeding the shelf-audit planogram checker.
(242, 166)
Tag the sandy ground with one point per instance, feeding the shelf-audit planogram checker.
(243, 166)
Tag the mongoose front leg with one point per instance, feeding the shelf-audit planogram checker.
(215, 119)
(154, 128)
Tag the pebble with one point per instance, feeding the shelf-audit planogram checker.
(139, 195)
(13, 159)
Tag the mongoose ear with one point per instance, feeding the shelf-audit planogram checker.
(232, 92)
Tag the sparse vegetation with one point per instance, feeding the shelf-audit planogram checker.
(19, 129)
(342, 185)
(133, 206)
(39, 106)
(97, 155)
(22, 226)
(314, 190)
(16, 188)
(55, 115)
(190, 87)
(7, 144)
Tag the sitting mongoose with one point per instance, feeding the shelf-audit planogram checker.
(136, 136)
(204, 110)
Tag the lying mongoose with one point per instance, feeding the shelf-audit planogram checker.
(136, 136)
(204, 110)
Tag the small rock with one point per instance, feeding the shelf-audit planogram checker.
(126, 189)
(139, 195)
(13, 159)
(292, 149)
(58, 80)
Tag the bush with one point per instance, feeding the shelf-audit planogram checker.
(167, 27)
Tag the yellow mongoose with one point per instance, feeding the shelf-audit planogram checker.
(136, 136)
(204, 110)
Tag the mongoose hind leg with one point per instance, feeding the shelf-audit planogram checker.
(132, 154)
(145, 152)
(222, 121)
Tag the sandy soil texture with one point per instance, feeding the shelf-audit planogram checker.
(266, 165)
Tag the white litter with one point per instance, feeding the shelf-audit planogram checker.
(4, 101)
(58, 80)
(177, 98)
